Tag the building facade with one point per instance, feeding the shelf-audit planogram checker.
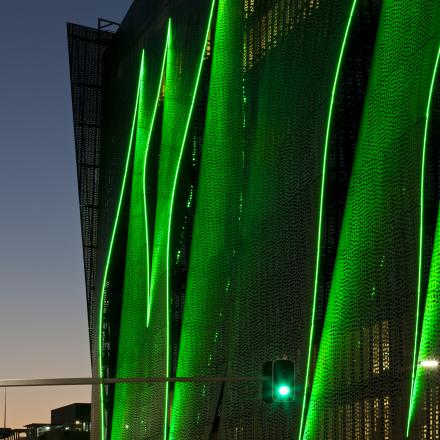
(259, 179)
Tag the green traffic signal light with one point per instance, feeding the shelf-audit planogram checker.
(284, 390)
(283, 380)
(278, 381)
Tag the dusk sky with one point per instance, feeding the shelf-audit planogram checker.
(43, 322)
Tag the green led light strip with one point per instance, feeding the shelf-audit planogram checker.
(419, 283)
(170, 215)
(321, 209)
(153, 119)
(112, 239)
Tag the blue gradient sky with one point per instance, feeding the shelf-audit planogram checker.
(43, 323)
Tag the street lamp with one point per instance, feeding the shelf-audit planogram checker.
(429, 363)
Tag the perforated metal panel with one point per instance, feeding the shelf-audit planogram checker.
(86, 50)
(278, 196)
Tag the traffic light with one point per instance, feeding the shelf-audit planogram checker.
(283, 380)
(279, 382)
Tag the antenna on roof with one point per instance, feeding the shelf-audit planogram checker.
(4, 419)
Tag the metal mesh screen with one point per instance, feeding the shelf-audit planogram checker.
(87, 47)
(130, 410)
(185, 62)
(86, 50)
(362, 381)
(275, 185)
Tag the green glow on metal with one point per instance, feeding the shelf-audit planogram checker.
(170, 214)
(131, 347)
(321, 210)
(153, 119)
(419, 282)
(208, 280)
(110, 250)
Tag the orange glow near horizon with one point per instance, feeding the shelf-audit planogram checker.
(33, 404)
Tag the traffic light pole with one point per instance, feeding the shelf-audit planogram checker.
(14, 383)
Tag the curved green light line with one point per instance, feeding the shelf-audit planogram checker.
(112, 239)
(170, 215)
(421, 232)
(321, 210)
(153, 119)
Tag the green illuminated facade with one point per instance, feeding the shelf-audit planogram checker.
(266, 183)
